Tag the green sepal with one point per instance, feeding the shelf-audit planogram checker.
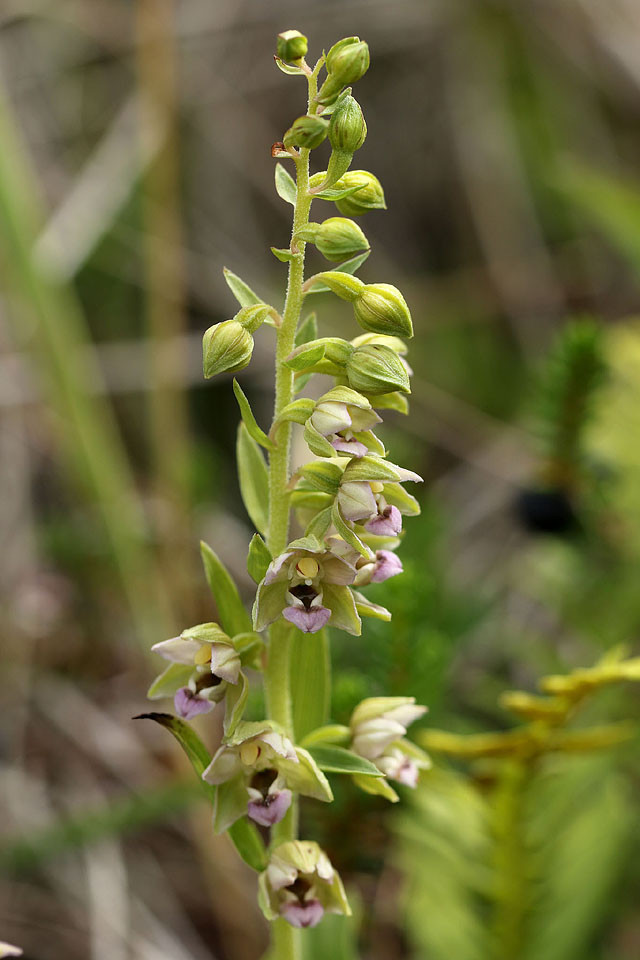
(331, 193)
(287, 68)
(344, 616)
(310, 543)
(230, 803)
(305, 499)
(373, 443)
(330, 733)
(256, 432)
(298, 411)
(366, 608)
(243, 293)
(254, 479)
(305, 776)
(235, 697)
(250, 647)
(391, 401)
(311, 692)
(377, 786)
(397, 496)
(285, 185)
(248, 842)
(347, 533)
(320, 524)
(189, 741)
(283, 254)
(258, 558)
(317, 443)
(322, 475)
(349, 267)
(176, 675)
(371, 468)
(308, 330)
(233, 616)
(305, 356)
(342, 394)
(333, 759)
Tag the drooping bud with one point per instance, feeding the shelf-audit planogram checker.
(291, 46)
(381, 308)
(347, 127)
(307, 132)
(337, 238)
(226, 347)
(370, 196)
(347, 62)
(375, 369)
(253, 317)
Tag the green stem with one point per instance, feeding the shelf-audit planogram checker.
(286, 939)
(510, 862)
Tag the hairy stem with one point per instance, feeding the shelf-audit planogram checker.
(285, 939)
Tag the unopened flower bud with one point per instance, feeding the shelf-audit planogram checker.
(370, 196)
(347, 128)
(308, 132)
(347, 61)
(381, 308)
(375, 369)
(292, 45)
(226, 346)
(253, 317)
(337, 238)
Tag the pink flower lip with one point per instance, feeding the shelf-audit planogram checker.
(188, 704)
(306, 914)
(386, 524)
(387, 565)
(270, 810)
(353, 448)
(308, 620)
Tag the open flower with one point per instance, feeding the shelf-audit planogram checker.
(256, 770)
(345, 418)
(300, 885)
(378, 726)
(203, 661)
(363, 490)
(385, 564)
(308, 586)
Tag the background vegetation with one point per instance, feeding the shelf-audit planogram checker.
(135, 164)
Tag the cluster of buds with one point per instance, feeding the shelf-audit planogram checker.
(349, 501)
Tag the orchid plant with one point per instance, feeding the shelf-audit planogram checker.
(348, 502)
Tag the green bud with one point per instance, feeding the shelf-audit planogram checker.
(253, 317)
(381, 308)
(337, 238)
(292, 45)
(308, 132)
(347, 62)
(375, 369)
(226, 347)
(347, 129)
(370, 196)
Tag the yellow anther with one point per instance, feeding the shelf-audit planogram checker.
(249, 753)
(308, 567)
(377, 487)
(203, 655)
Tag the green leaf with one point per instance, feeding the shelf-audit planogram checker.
(349, 266)
(189, 741)
(248, 843)
(310, 672)
(241, 290)
(254, 479)
(233, 616)
(256, 432)
(258, 558)
(285, 185)
(334, 759)
(283, 254)
(308, 330)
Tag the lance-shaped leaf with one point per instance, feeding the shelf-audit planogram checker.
(283, 254)
(249, 420)
(189, 741)
(243, 293)
(248, 843)
(308, 330)
(310, 670)
(233, 616)
(288, 68)
(349, 266)
(333, 759)
(254, 479)
(285, 185)
(258, 558)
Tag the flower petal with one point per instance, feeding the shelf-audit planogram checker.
(307, 914)
(188, 704)
(177, 649)
(271, 810)
(309, 621)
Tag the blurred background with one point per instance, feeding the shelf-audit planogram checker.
(134, 164)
